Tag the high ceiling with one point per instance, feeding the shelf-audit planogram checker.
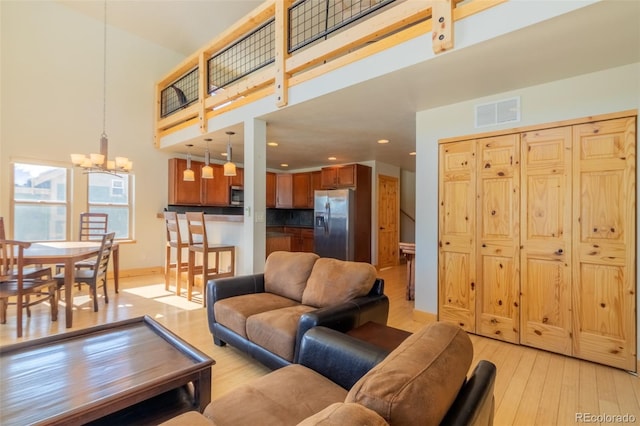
(347, 123)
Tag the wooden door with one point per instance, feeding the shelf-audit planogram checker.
(457, 234)
(545, 239)
(497, 304)
(388, 212)
(604, 277)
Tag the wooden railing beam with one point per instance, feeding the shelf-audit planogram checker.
(442, 18)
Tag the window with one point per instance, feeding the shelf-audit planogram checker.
(40, 202)
(111, 194)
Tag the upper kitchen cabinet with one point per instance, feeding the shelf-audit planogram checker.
(304, 185)
(200, 192)
(345, 176)
(238, 179)
(284, 191)
(271, 190)
(215, 192)
(184, 192)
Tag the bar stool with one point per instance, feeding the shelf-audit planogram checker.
(174, 242)
(199, 244)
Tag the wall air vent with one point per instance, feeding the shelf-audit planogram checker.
(499, 112)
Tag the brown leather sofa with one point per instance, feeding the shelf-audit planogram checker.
(344, 381)
(266, 315)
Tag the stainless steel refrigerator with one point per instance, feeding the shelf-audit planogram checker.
(334, 215)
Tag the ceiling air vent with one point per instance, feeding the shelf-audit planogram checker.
(494, 113)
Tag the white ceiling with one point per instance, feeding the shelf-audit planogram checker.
(347, 123)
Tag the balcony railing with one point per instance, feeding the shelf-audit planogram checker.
(281, 44)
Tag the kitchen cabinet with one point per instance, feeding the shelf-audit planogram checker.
(215, 192)
(238, 179)
(270, 197)
(345, 176)
(181, 192)
(284, 191)
(200, 192)
(301, 238)
(304, 185)
(301, 190)
(537, 238)
(277, 242)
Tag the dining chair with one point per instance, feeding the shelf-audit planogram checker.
(174, 242)
(16, 284)
(96, 276)
(92, 227)
(199, 246)
(30, 271)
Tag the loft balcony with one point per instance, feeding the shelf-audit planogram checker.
(282, 44)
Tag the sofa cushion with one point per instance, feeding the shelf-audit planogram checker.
(419, 380)
(190, 418)
(234, 311)
(334, 281)
(283, 397)
(342, 413)
(286, 273)
(275, 330)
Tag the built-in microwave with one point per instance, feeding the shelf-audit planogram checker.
(236, 195)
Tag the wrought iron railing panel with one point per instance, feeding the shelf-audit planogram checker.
(250, 53)
(311, 20)
(180, 94)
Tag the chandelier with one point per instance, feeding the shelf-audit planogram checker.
(100, 163)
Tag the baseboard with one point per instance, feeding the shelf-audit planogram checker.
(424, 317)
(128, 273)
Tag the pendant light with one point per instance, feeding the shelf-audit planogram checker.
(188, 175)
(100, 163)
(207, 170)
(229, 167)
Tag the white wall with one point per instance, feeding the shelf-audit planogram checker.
(408, 205)
(51, 105)
(612, 90)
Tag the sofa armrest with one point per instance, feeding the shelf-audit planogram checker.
(339, 357)
(344, 317)
(378, 288)
(474, 404)
(223, 288)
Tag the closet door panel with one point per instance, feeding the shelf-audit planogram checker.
(604, 290)
(457, 212)
(498, 203)
(545, 247)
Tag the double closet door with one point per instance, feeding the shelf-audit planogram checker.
(537, 238)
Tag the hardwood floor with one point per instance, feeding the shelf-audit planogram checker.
(533, 387)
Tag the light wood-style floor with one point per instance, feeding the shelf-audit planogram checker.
(533, 387)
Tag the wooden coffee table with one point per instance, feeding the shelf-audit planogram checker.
(78, 377)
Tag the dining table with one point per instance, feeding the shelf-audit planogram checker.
(68, 253)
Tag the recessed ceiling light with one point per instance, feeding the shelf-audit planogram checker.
(284, 165)
(412, 153)
(224, 154)
(208, 139)
(272, 143)
(332, 158)
(382, 141)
